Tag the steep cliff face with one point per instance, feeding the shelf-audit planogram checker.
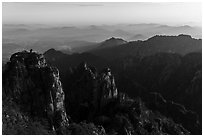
(35, 86)
(107, 88)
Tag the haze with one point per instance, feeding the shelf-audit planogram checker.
(102, 13)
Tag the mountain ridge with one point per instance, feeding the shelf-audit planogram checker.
(158, 43)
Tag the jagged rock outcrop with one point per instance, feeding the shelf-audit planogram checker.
(35, 86)
(107, 88)
(88, 90)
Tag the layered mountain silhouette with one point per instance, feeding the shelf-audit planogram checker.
(140, 87)
(181, 44)
(71, 39)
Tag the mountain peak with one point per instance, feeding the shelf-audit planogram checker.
(112, 42)
(51, 50)
(185, 36)
(53, 54)
(113, 38)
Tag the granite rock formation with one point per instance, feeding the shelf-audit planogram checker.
(89, 90)
(35, 86)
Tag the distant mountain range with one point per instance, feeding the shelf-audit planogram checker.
(115, 48)
(72, 39)
(181, 44)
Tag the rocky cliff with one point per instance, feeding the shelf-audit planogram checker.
(36, 87)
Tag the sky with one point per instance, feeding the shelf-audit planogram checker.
(102, 13)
